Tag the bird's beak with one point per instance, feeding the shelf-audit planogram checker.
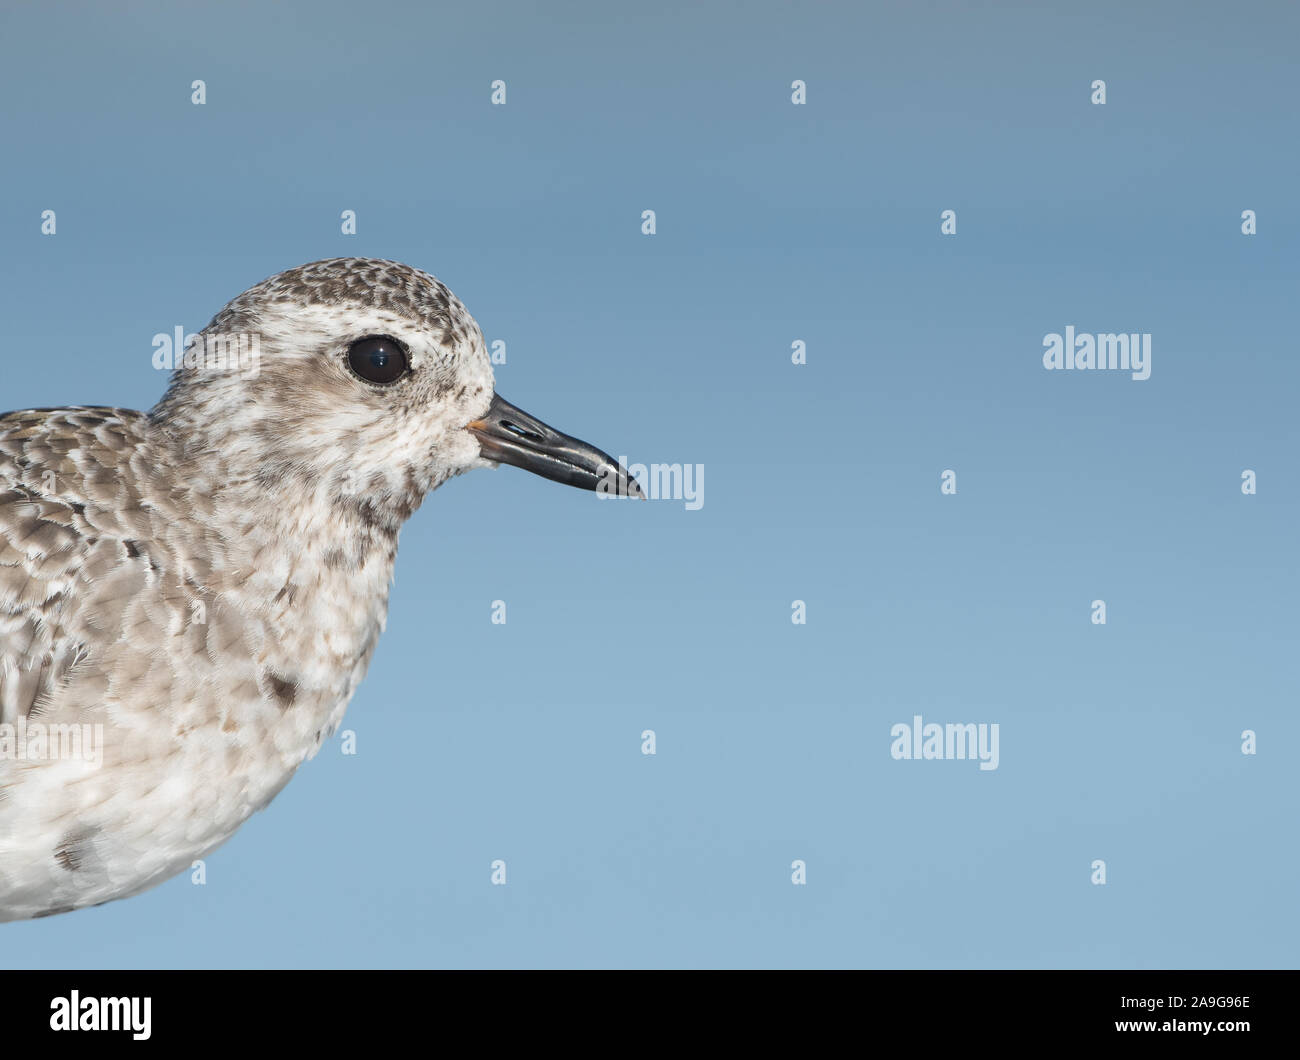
(508, 435)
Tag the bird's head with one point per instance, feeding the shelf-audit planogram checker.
(365, 381)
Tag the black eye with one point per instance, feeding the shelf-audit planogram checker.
(378, 359)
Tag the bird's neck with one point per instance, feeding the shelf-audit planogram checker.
(311, 563)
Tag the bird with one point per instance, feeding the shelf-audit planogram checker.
(193, 594)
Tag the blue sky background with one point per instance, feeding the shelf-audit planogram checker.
(775, 223)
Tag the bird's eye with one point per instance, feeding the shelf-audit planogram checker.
(378, 359)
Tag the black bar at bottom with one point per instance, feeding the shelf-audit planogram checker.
(611, 1009)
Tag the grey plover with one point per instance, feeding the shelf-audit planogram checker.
(190, 596)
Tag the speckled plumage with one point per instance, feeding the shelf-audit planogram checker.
(208, 580)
